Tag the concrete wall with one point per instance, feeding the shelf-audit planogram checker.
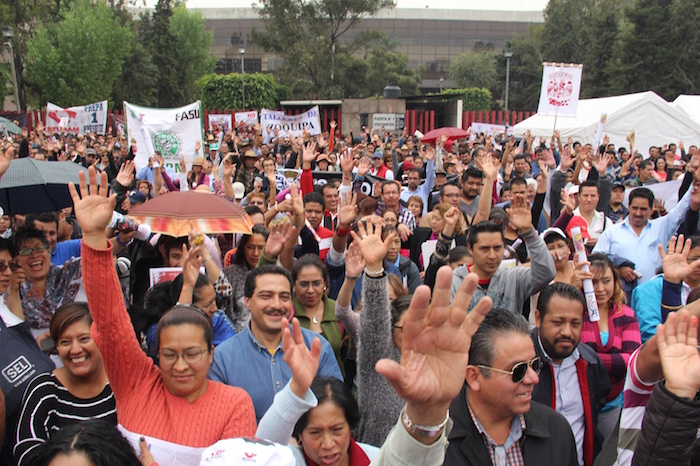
(353, 109)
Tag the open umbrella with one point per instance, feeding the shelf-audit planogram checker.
(9, 126)
(30, 186)
(173, 213)
(451, 132)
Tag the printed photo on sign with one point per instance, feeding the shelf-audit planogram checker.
(220, 122)
(561, 86)
(247, 118)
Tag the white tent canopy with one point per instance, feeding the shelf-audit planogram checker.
(688, 104)
(655, 121)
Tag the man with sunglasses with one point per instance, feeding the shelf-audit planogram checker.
(495, 422)
(573, 381)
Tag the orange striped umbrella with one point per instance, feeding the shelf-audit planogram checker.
(176, 213)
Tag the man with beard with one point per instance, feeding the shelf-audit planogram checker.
(472, 180)
(616, 211)
(573, 380)
(254, 359)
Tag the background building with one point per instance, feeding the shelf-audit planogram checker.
(429, 35)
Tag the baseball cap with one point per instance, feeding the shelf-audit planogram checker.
(238, 190)
(440, 171)
(378, 155)
(577, 221)
(248, 451)
(90, 152)
(617, 184)
(552, 231)
(137, 196)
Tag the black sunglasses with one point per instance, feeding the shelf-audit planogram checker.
(519, 370)
(3, 266)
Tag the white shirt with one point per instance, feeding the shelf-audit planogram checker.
(598, 224)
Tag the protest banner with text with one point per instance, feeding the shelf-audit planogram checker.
(290, 125)
(90, 118)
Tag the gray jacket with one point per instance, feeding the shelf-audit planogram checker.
(509, 288)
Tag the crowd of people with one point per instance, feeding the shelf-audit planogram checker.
(397, 301)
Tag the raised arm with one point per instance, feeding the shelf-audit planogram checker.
(490, 173)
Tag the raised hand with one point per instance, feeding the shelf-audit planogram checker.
(435, 351)
(347, 163)
(566, 160)
(126, 173)
(678, 347)
(487, 166)
(6, 157)
(303, 363)
(354, 263)
(371, 245)
(519, 213)
(297, 204)
(568, 201)
(675, 262)
(228, 167)
(601, 165)
(364, 166)
(280, 232)
(333, 125)
(190, 272)
(429, 153)
(347, 211)
(309, 154)
(93, 209)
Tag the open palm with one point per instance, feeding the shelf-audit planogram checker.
(302, 361)
(680, 359)
(93, 209)
(436, 342)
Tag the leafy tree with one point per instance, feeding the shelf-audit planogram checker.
(191, 50)
(25, 17)
(79, 59)
(225, 91)
(604, 32)
(390, 67)
(474, 70)
(309, 36)
(525, 70)
(473, 98)
(160, 41)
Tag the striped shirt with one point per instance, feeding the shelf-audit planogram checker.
(624, 338)
(48, 407)
(636, 395)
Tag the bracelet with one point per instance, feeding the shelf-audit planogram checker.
(352, 277)
(445, 237)
(377, 274)
(423, 431)
(672, 308)
(123, 245)
(343, 231)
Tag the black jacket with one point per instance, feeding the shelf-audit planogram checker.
(598, 385)
(546, 440)
(670, 431)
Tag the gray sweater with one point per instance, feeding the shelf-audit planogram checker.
(510, 287)
(380, 406)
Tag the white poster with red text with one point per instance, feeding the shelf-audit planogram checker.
(561, 87)
(84, 119)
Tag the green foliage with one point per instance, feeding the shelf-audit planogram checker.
(525, 70)
(309, 36)
(225, 91)
(79, 59)
(191, 50)
(473, 98)
(474, 70)
(389, 67)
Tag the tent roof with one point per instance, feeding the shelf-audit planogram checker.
(654, 120)
(688, 104)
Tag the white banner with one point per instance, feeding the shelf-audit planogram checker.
(90, 118)
(290, 125)
(561, 86)
(224, 121)
(173, 132)
(249, 118)
(489, 129)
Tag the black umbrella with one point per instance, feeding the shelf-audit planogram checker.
(30, 186)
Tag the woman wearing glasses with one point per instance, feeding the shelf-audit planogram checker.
(174, 402)
(75, 392)
(46, 286)
(313, 308)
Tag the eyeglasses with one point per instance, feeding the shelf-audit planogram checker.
(314, 284)
(519, 370)
(3, 266)
(39, 248)
(191, 356)
(398, 327)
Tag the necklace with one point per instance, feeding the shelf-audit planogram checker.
(314, 320)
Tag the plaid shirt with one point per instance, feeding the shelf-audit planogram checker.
(405, 215)
(509, 454)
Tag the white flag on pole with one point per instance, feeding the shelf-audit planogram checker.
(561, 86)
(173, 132)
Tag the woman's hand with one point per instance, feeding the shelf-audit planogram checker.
(678, 348)
(354, 263)
(303, 363)
(675, 263)
(93, 209)
(371, 245)
(451, 218)
(435, 351)
(145, 457)
(579, 274)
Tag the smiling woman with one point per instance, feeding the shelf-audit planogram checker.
(77, 391)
